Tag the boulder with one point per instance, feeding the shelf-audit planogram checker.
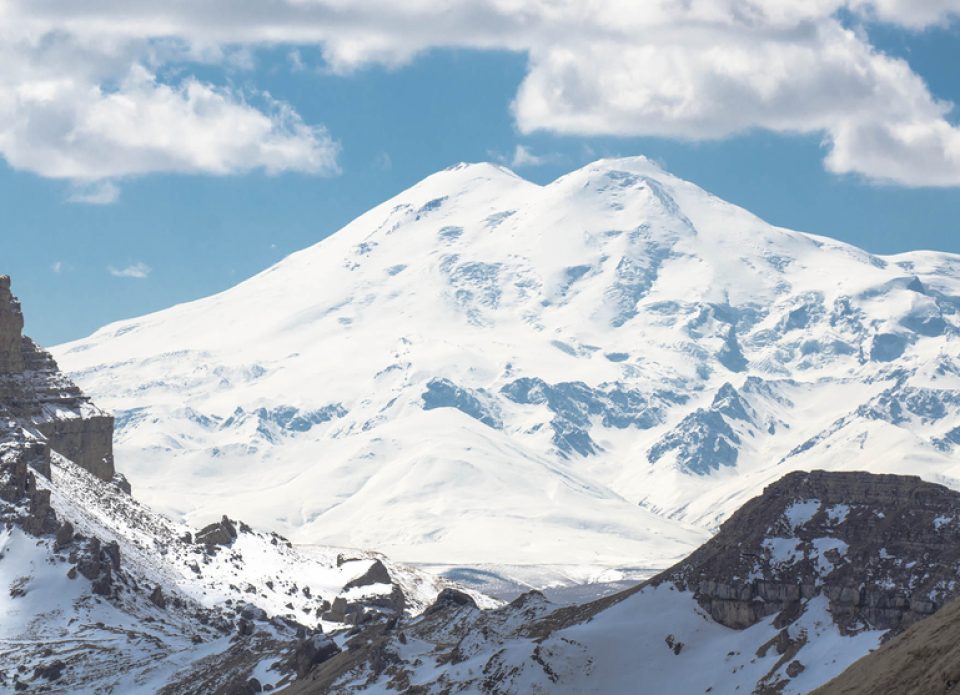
(222, 532)
(451, 599)
(157, 598)
(312, 651)
(376, 574)
(64, 535)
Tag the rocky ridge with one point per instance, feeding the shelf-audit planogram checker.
(799, 583)
(884, 549)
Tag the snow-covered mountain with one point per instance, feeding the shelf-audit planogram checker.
(590, 374)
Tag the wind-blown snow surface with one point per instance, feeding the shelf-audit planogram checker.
(594, 372)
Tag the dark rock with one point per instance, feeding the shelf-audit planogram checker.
(64, 535)
(312, 651)
(451, 598)
(31, 382)
(675, 645)
(157, 598)
(376, 574)
(89, 566)
(103, 585)
(112, 553)
(120, 481)
(51, 671)
(899, 537)
(252, 612)
(338, 610)
(222, 532)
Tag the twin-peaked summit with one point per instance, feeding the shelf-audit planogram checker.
(586, 368)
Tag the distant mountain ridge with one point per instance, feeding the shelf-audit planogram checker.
(599, 371)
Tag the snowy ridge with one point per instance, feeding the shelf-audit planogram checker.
(281, 574)
(175, 608)
(598, 371)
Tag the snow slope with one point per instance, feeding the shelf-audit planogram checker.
(122, 640)
(656, 641)
(587, 374)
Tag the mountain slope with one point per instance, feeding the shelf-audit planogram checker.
(101, 594)
(598, 370)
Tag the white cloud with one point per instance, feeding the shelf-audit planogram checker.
(138, 270)
(523, 156)
(57, 267)
(878, 118)
(80, 95)
(94, 193)
(91, 108)
(916, 14)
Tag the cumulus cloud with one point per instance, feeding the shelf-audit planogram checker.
(138, 270)
(84, 100)
(877, 117)
(82, 131)
(93, 109)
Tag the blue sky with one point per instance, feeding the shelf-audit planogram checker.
(175, 232)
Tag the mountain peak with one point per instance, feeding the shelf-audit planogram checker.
(478, 325)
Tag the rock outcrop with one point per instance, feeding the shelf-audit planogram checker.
(924, 660)
(884, 549)
(45, 403)
(222, 532)
(21, 502)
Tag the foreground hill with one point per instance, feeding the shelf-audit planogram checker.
(798, 584)
(599, 370)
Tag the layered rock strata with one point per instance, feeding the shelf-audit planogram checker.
(884, 549)
(44, 402)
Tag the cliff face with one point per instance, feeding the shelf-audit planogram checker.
(44, 402)
(924, 660)
(883, 549)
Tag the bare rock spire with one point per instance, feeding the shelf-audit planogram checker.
(11, 329)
